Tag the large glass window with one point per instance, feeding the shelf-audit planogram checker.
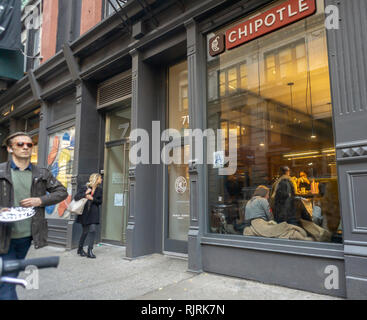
(178, 112)
(275, 91)
(31, 126)
(60, 161)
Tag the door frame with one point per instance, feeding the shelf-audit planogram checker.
(172, 245)
(107, 145)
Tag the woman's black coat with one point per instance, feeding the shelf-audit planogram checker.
(91, 210)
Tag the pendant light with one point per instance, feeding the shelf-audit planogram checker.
(309, 86)
(291, 84)
(262, 143)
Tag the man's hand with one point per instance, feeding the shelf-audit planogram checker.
(31, 202)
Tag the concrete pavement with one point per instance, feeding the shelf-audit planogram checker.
(153, 277)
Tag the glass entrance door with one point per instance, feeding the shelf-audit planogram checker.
(116, 176)
(177, 195)
(178, 204)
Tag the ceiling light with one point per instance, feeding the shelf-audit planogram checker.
(301, 154)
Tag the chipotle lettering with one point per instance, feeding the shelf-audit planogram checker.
(273, 19)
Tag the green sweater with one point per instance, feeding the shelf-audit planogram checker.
(22, 182)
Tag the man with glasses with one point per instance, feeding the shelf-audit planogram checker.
(26, 185)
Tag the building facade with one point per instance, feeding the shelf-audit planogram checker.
(291, 87)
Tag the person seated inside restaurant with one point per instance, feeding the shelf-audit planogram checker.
(282, 198)
(259, 220)
(286, 207)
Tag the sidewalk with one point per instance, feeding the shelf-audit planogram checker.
(154, 277)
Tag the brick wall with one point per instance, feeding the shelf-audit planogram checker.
(49, 28)
(91, 14)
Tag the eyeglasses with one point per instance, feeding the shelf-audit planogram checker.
(21, 144)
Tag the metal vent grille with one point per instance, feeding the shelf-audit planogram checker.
(114, 90)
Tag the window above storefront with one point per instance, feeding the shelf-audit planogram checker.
(32, 14)
(111, 4)
(274, 92)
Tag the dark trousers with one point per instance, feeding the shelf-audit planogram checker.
(90, 229)
(18, 250)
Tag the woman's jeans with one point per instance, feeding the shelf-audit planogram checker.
(18, 250)
(90, 229)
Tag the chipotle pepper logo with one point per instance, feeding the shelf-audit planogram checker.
(216, 45)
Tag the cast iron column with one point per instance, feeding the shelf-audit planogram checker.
(142, 237)
(196, 79)
(348, 69)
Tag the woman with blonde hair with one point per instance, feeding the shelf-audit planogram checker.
(90, 216)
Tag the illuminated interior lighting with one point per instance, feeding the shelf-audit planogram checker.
(291, 155)
(313, 137)
(307, 157)
(329, 151)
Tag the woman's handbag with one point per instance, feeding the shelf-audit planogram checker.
(77, 207)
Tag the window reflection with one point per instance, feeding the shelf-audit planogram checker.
(178, 109)
(276, 92)
(34, 156)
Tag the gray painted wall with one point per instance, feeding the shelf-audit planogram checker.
(348, 69)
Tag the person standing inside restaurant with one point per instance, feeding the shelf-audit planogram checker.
(90, 217)
(23, 184)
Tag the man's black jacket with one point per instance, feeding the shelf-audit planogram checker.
(42, 182)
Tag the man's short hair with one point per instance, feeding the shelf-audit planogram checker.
(8, 139)
(261, 191)
(283, 170)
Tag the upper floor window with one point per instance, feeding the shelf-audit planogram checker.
(32, 33)
(232, 79)
(286, 62)
(109, 4)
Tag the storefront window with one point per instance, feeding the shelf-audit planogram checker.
(60, 161)
(118, 123)
(33, 121)
(32, 124)
(34, 157)
(178, 97)
(275, 90)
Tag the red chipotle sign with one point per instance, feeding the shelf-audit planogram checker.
(278, 17)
